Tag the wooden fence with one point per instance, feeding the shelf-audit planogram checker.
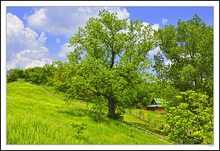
(147, 132)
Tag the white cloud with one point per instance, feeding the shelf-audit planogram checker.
(65, 49)
(57, 40)
(39, 18)
(39, 63)
(154, 51)
(164, 21)
(67, 20)
(24, 46)
(155, 26)
(122, 14)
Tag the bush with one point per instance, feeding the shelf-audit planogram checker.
(14, 74)
(192, 112)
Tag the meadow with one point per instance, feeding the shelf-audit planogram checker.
(36, 117)
(149, 114)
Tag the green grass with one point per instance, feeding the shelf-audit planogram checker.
(53, 90)
(153, 115)
(35, 117)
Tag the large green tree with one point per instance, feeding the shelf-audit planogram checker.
(189, 47)
(109, 60)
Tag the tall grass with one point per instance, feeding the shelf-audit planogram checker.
(35, 117)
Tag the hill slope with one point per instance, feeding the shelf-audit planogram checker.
(35, 117)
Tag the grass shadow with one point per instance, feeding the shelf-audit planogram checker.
(74, 112)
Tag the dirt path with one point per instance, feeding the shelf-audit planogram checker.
(51, 94)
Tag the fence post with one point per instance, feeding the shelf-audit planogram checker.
(162, 126)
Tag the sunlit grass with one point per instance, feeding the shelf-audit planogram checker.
(151, 114)
(35, 117)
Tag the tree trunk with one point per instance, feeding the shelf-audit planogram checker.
(111, 107)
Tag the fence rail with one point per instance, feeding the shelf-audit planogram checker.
(156, 123)
(148, 132)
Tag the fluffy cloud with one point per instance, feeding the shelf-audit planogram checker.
(122, 14)
(67, 20)
(39, 63)
(164, 21)
(65, 49)
(25, 48)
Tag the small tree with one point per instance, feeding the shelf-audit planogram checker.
(79, 128)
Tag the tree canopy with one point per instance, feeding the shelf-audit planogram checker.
(114, 62)
(189, 47)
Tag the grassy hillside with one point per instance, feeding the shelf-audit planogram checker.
(35, 117)
(150, 114)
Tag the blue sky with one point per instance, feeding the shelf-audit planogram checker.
(40, 35)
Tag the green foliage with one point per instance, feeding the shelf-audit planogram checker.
(189, 47)
(98, 74)
(14, 74)
(145, 93)
(36, 75)
(50, 70)
(191, 112)
(59, 75)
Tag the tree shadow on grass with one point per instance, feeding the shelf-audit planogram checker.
(98, 117)
(74, 112)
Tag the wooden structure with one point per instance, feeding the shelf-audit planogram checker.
(156, 105)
